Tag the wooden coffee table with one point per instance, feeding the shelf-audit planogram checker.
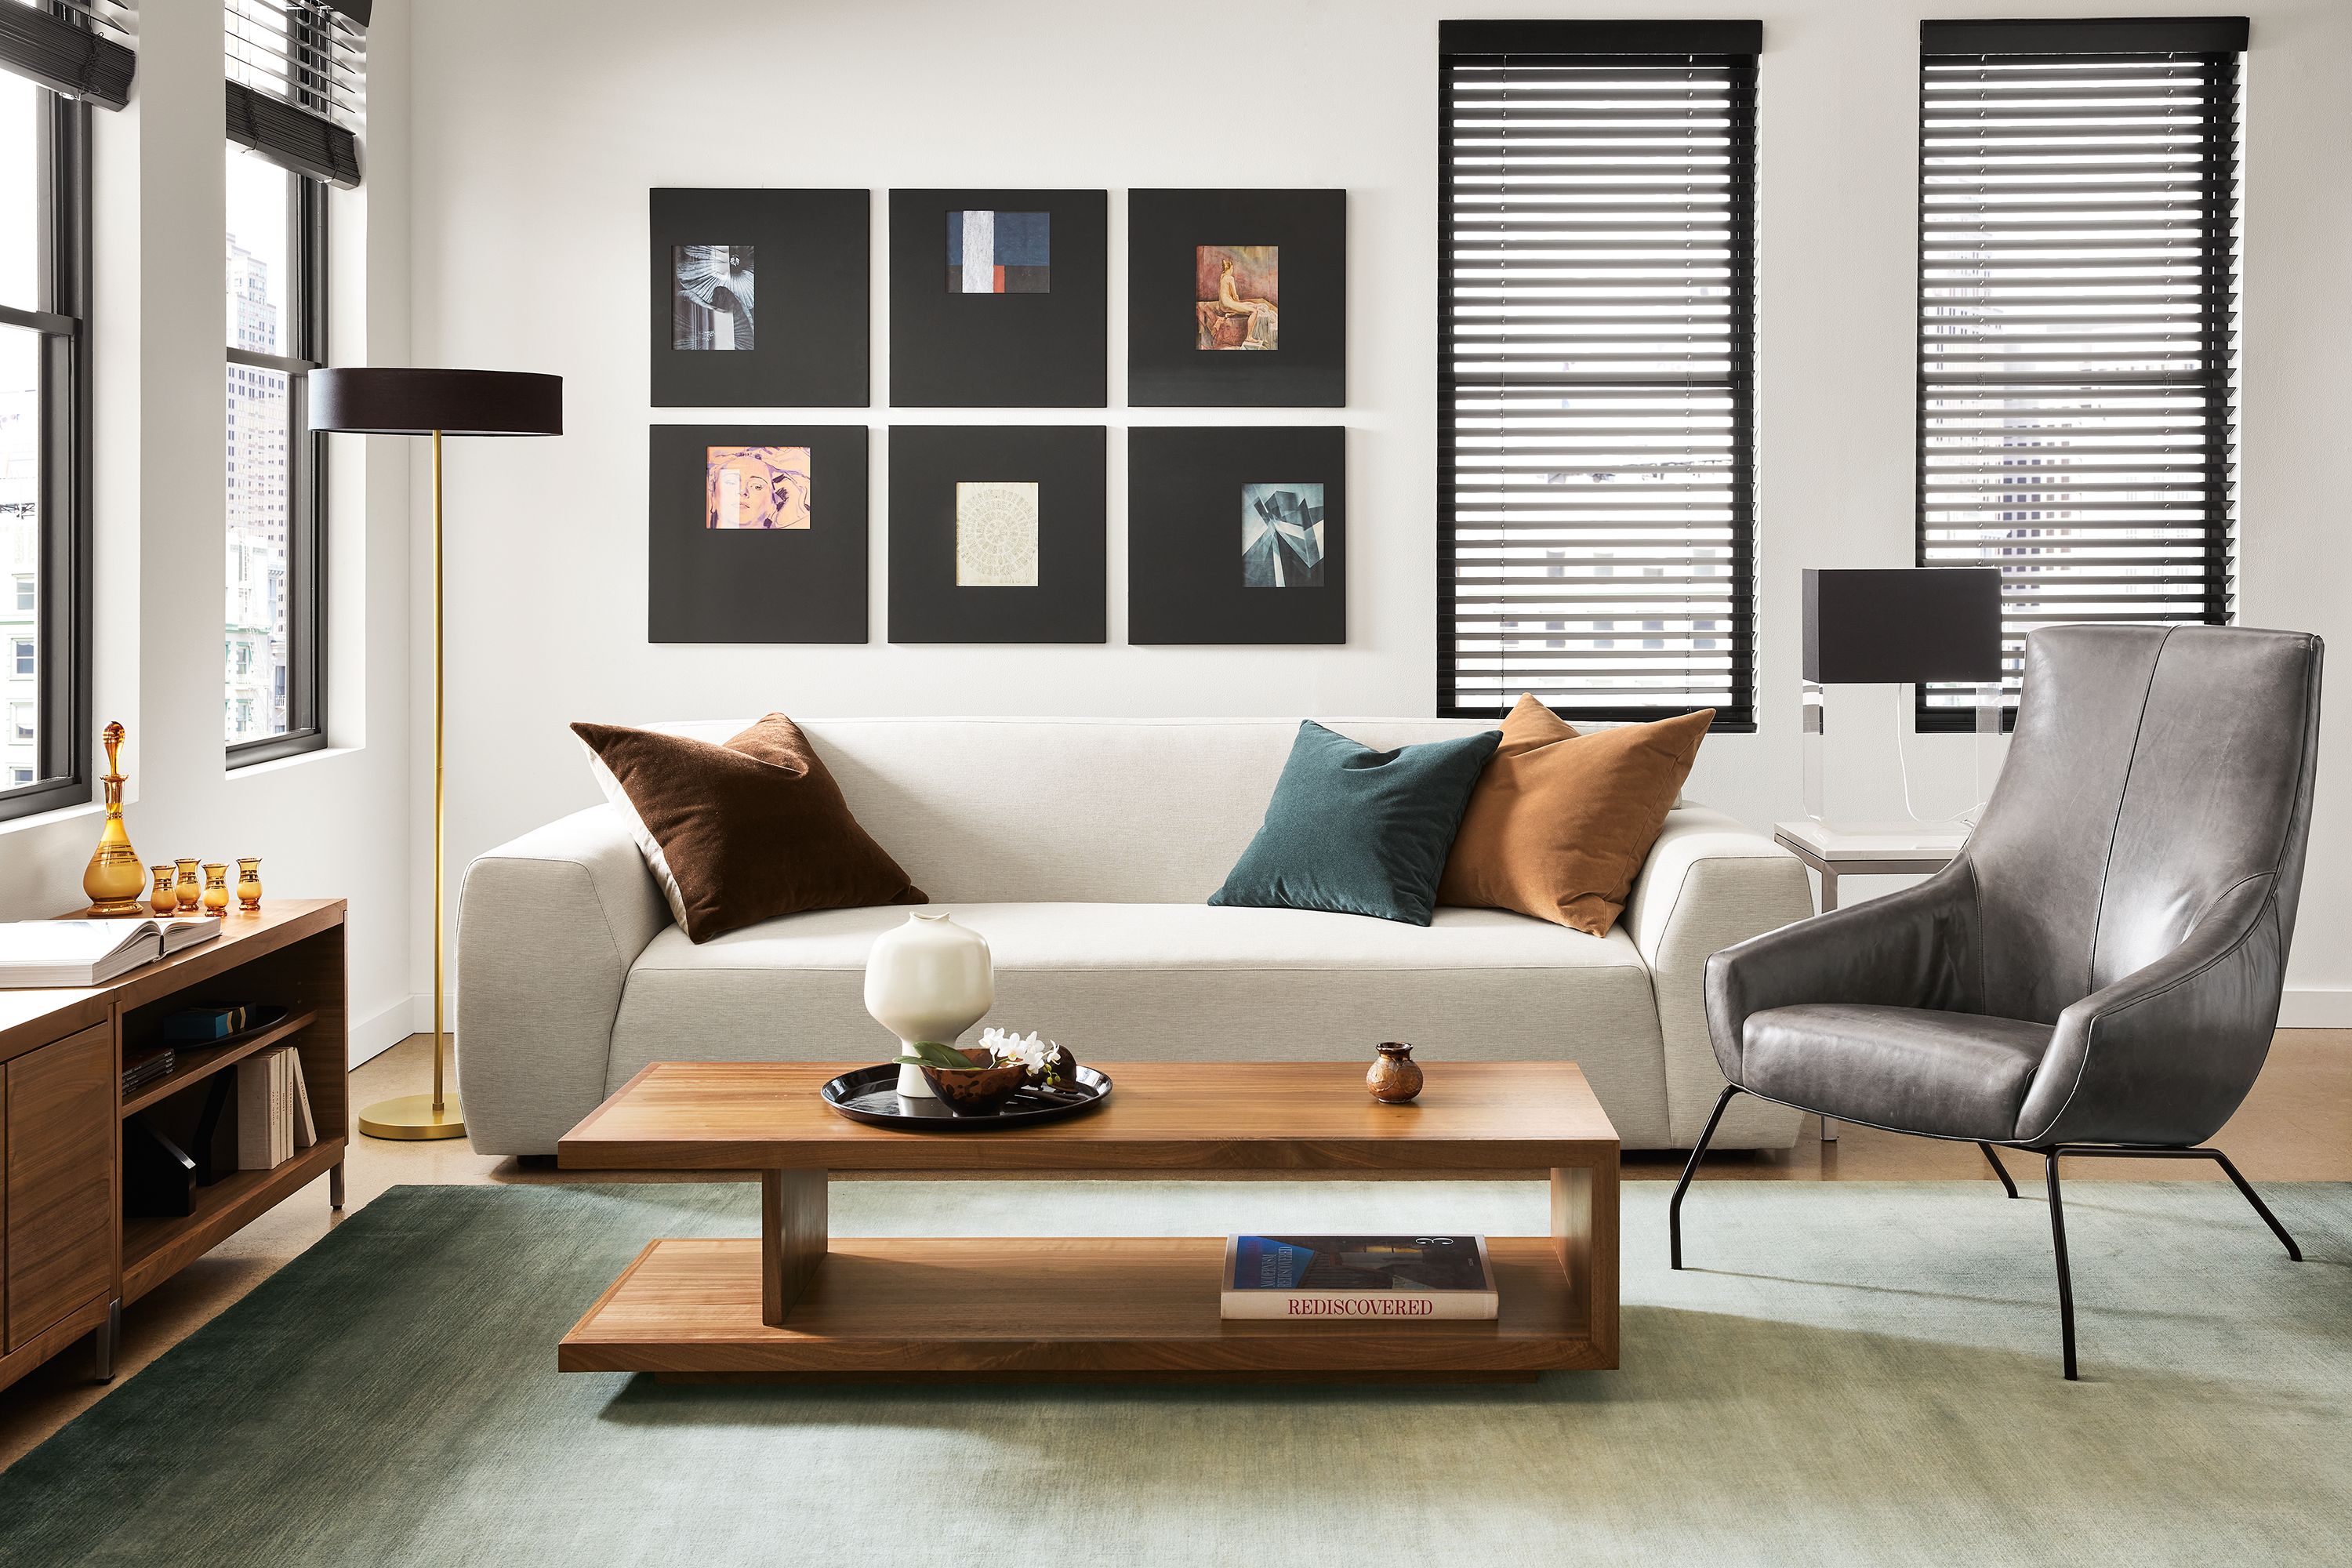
(796, 1304)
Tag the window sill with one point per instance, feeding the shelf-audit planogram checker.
(280, 764)
(41, 819)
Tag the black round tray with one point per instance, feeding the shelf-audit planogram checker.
(871, 1095)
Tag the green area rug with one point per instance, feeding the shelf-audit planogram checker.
(1850, 1373)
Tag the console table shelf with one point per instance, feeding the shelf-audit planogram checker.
(69, 1256)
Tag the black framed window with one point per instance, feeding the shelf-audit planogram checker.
(2078, 265)
(45, 402)
(1596, 368)
(296, 73)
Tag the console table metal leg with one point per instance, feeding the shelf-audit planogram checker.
(335, 1185)
(792, 1225)
(104, 1340)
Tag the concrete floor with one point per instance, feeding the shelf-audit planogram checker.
(2296, 1126)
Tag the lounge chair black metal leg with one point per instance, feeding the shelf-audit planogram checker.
(1998, 1169)
(2254, 1198)
(2065, 1281)
(1698, 1152)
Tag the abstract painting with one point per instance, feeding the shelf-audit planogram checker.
(1183, 587)
(999, 253)
(1282, 536)
(996, 533)
(757, 486)
(1236, 298)
(710, 297)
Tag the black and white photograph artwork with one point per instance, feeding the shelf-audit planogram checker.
(711, 298)
(999, 533)
(756, 533)
(1237, 299)
(761, 298)
(1000, 299)
(1187, 488)
(1282, 536)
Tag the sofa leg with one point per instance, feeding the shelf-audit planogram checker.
(1698, 1152)
(1998, 1169)
(2066, 1279)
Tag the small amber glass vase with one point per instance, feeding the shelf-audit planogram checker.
(248, 883)
(216, 887)
(165, 898)
(191, 891)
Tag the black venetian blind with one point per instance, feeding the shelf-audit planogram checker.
(1596, 367)
(79, 48)
(298, 83)
(2078, 319)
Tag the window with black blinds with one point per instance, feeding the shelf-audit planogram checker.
(2078, 243)
(1595, 368)
(298, 83)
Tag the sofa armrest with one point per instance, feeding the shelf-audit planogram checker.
(1710, 881)
(548, 927)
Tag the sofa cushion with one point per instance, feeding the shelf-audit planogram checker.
(1560, 822)
(1356, 831)
(1958, 1074)
(1181, 982)
(738, 833)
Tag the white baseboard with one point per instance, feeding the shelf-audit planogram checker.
(2316, 1008)
(383, 1029)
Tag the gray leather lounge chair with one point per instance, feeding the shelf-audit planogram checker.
(2099, 971)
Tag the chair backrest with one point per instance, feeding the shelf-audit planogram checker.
(2153, 769)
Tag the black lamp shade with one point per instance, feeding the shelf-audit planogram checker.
(1933, 623)
(393, 401)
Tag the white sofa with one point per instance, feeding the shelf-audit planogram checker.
(1084, 849)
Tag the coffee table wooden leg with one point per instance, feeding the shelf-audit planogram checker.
(1584, 1234)
(792, 1238)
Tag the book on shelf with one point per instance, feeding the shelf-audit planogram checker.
(141, 1068)
(1357, 1278)
(39, 953)
(203, 1026)
(273, 1110)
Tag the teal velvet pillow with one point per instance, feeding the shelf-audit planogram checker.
(1359, 832)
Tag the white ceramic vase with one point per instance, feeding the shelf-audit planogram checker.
(929, 979)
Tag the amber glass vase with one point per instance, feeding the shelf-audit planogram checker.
(190, 888)
(248, 883)
(165, 898)
(216, 887)
(113, 878)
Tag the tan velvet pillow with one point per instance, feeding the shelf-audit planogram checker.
(1560, 823)
(742, 833)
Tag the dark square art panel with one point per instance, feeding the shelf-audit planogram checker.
(998, 533)
(761, 297)
(1237, 534)
(999, 299)
(1237, 298)
(756, 533)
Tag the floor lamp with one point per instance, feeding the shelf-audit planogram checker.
(435, 403)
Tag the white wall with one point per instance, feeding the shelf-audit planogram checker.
(328, 825)
(530, 249)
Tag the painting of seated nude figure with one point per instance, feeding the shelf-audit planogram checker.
(1235, 296)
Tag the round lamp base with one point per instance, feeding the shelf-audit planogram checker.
(411, 1116)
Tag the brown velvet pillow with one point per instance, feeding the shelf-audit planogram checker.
(741, 833)
(1560, 823)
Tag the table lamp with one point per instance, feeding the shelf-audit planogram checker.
(386, 400)
(1925, 624)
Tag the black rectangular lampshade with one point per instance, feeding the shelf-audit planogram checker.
(1933, 623)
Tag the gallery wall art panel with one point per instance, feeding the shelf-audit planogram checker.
(757, 533)
(999, 299)
(1237, 534)
(761, 298)
(997, 533)
(1237, 299)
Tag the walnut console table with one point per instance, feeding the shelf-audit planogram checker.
(68, 1258)
(797, 1302)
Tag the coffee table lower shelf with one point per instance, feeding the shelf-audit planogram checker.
(1118, 1307)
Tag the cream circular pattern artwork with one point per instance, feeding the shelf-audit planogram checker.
(996, 533)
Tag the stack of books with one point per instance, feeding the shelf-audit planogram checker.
(1350, 1279)
(273, 1110)
(145, 1067)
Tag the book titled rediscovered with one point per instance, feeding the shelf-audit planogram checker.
(1357, 1278)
